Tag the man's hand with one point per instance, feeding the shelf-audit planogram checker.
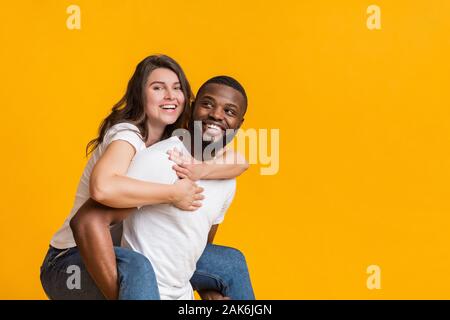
(212, 295)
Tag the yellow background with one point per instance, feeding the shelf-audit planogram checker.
(364, 125)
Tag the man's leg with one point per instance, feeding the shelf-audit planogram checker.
(223, 269)
(64, 276)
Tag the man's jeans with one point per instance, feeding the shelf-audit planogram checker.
(64, 276)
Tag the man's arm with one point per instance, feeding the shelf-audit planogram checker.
(90, 227)
(212, 233)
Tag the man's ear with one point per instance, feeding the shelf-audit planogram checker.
(193, 106)
(242, 121)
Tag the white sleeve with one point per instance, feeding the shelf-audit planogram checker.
(126, 132)
(226, 205)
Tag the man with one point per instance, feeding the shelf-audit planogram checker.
(171, 239)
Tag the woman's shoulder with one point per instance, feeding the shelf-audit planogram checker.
(124, 131)
(123, 126)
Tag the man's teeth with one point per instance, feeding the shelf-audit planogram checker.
(212, 126)
(169, 106)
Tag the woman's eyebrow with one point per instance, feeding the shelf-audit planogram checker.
(158, 82)
(162, 82)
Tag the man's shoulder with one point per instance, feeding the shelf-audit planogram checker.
(165, 145)
(153, 164)
(160, 147)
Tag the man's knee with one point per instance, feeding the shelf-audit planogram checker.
(236, 258)
(235, 253)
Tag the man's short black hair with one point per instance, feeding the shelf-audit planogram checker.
(227, 81)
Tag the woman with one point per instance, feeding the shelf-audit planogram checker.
(157, 102)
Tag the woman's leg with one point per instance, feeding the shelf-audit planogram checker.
(64, 276)
(223, 269)
(137, 279)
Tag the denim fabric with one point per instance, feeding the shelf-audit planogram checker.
(223, 269)
(137, 280)
(219, 268)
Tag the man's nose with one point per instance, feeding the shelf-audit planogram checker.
(217, 113)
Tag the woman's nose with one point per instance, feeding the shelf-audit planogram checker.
(169, 94)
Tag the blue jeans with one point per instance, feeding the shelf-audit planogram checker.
(64, 276)
(223, 269)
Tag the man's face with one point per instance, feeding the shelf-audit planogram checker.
(218, 107)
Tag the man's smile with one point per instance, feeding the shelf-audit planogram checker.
(213, 128)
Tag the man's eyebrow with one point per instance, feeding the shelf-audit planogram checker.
(208, 97)
(228, 104)
(231, 105)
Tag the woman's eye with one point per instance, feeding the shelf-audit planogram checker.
(177, 88)
(157, 88)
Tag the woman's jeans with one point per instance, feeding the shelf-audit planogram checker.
(64, 276)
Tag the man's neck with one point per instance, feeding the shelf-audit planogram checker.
(202, 150)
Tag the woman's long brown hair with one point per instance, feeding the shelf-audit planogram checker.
(131, 107)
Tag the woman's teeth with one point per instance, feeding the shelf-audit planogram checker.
(169, 107)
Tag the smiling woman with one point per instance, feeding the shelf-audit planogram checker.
(164, 103)
(160, 80)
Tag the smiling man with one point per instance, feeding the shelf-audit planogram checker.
(172, 240)
(218, 113)
(230, 115)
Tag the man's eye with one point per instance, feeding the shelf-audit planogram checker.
(231, 112)
(207, 104)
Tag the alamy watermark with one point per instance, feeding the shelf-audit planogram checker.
(256, 146)
(74, 280)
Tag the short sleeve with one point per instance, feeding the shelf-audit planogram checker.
(226, 204)
(126, 132)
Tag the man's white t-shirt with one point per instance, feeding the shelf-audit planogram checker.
(172, 239)
(63, 238)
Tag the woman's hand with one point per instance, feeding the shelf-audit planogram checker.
(186, 167)
(187, 195)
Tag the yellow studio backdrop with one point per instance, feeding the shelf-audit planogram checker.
(363, 112)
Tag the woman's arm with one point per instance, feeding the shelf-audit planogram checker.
(110, 186)
(228, 165)
(90, 227)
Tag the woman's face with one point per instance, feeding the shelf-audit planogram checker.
(164, 99)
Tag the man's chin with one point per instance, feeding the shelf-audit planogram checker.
(209, 138)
